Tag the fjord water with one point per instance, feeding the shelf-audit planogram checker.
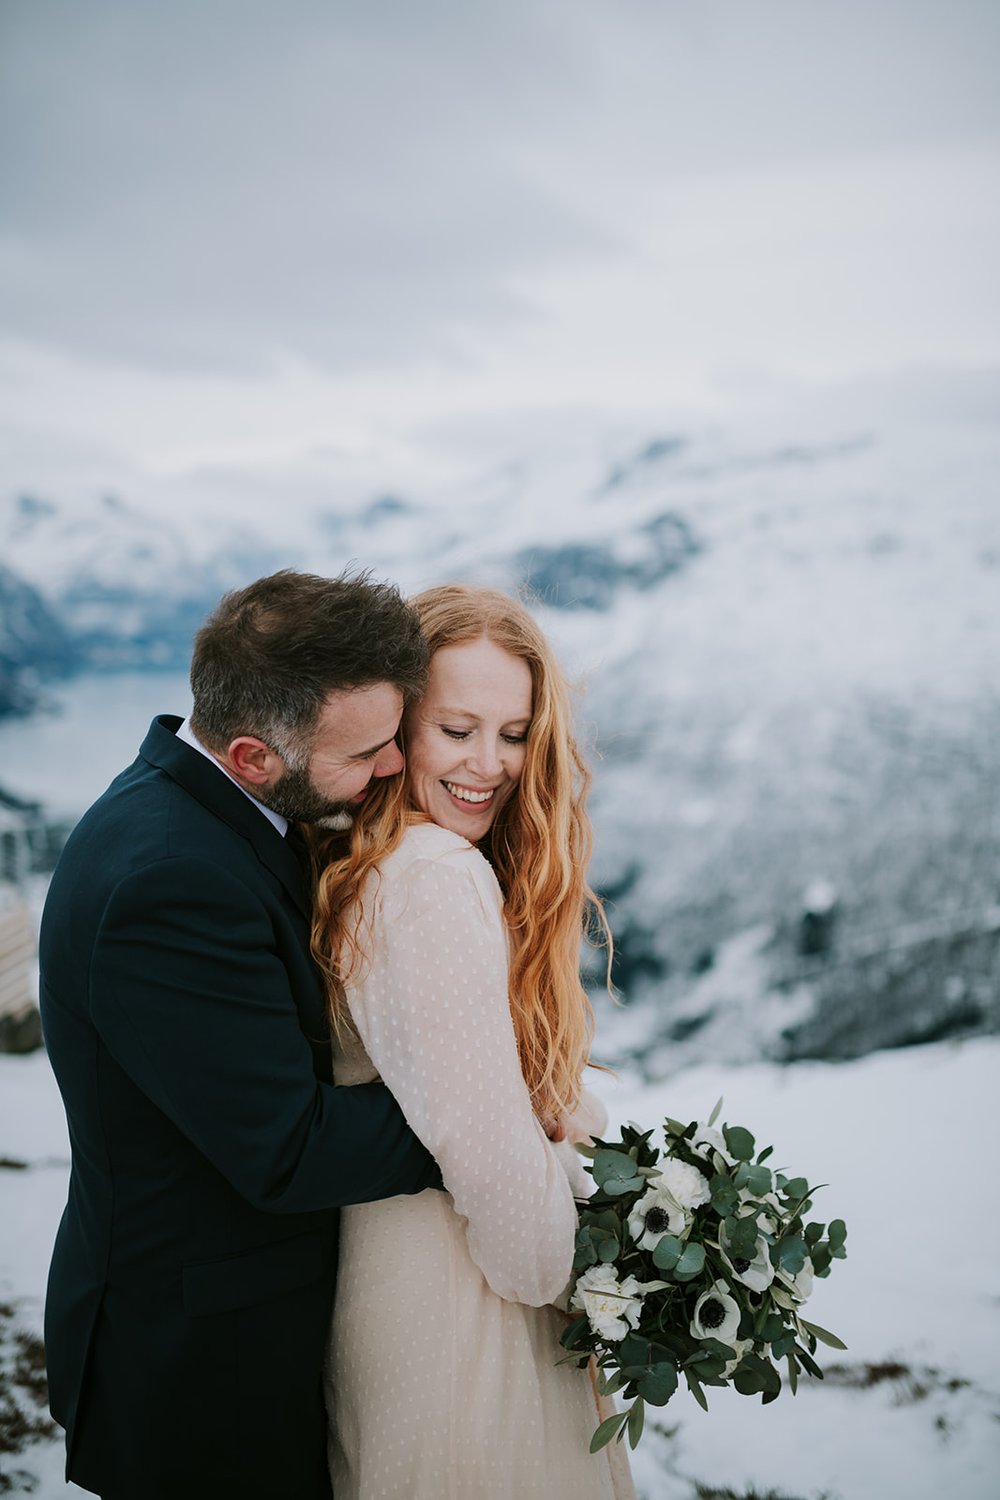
(65, 754)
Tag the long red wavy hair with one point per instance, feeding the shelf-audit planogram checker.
(539, 846)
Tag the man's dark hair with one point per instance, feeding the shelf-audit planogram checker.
(269, 655)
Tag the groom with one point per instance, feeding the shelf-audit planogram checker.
(191, 1283)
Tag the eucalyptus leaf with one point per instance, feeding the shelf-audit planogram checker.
(718, 1350)
(792, 1253)
(691, 1262)
(614, 1172)
(759, 1180)
(634, 1356)
(659, 1383)
(667, 1252)
(795, 1188)
(739, 1141)
(772, 1328)
(741, 1236)
(725, 1194)
(571, 1333)
(747, 1380)
(821, 1260)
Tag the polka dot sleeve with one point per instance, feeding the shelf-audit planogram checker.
(433, 1015)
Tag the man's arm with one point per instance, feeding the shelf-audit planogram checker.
(194, 1003)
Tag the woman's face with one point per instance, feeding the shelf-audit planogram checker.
(465, 739)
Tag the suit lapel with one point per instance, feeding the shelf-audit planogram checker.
(213, 789)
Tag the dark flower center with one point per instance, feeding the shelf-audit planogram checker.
(712, 1314)
(740, 1265)
(657, 1221)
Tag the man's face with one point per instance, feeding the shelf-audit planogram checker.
(354, 741)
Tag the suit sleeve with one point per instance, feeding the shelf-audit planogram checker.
(433, 1012)
(208, 1029)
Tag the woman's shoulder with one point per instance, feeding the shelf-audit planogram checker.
(429, 841)
(426, 849)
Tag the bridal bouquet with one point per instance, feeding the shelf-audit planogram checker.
(695, 1262)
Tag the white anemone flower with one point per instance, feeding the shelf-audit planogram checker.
(685, 1184)
(716, 1315)
(801, 1284)
(769, 1221)
(757, 1273)
(612, 1306)
(706, 1138)
(653, 1216)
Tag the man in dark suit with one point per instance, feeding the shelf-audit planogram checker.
(192, 1278)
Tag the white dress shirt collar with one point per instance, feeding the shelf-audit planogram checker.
(187, 734)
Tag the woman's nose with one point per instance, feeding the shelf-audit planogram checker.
(484, 759)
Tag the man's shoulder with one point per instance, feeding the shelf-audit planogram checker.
(146, 815)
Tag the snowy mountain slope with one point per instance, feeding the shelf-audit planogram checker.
(789, 636)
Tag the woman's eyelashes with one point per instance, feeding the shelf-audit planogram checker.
(463, 734)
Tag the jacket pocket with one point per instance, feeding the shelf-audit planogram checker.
(261, 1275)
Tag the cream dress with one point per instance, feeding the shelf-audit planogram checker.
(441, 1381)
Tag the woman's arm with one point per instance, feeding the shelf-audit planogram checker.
(433, 1014)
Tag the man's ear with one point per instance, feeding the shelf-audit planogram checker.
(252, 761)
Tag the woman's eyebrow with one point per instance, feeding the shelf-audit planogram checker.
(467, 713)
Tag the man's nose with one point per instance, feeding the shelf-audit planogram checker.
(389, 761)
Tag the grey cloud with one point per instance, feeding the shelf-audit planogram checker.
(194, 183)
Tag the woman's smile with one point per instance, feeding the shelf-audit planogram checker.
(466, 740)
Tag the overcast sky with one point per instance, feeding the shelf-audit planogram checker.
(233, 231)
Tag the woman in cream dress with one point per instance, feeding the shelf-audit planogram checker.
(455, 924)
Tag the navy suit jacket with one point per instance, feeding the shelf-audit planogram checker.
(191, 1283)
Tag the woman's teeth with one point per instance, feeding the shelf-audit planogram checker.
(464, 794)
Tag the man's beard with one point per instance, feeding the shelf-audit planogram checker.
(296, 798)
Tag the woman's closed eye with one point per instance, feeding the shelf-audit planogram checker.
(463, 734)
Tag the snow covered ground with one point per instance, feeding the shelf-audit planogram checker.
(908, 1142)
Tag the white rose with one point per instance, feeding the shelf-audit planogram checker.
(686, 1185)
(612, 1306)
(716, 1315)
(758, 1273)
(655, 1215)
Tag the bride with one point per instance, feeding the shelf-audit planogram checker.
(451, 933)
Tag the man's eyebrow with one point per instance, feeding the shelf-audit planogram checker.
(367, 754)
